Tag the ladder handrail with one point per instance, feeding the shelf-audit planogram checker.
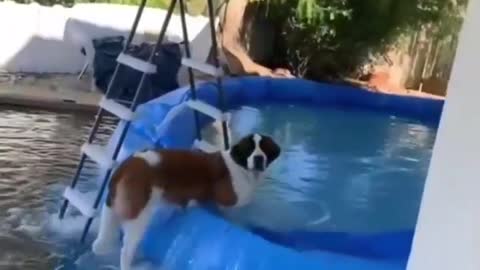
(216, 61)
(101, 112)
(135, 101)
(191, 79)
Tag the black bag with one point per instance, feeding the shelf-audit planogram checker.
(167, 59)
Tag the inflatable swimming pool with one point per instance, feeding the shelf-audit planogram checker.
(201, 239)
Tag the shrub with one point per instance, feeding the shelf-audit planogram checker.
(335, 37)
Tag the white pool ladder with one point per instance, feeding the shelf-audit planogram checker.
(99, 153)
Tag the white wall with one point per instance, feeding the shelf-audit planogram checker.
(448, 231)
(48, 39)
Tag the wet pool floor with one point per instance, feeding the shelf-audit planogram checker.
(39, 151)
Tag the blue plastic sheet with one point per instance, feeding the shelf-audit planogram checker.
(201, 239)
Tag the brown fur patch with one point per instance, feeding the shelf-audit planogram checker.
(181, 175)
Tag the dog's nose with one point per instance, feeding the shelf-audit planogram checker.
(259, 163)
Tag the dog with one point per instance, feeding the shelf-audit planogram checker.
(179, 178)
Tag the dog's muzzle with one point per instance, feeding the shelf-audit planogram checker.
(259, 163)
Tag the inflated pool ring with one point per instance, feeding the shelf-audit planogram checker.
(200, 239)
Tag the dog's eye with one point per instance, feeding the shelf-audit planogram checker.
(270, 148)
(242, 150)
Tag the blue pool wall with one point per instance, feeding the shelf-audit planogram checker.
(201, 239)
(251, 90)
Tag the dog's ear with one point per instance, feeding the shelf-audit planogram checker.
(270, 148)
(242, 150)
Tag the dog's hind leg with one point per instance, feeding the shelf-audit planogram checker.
(134, 231)
(109, 232)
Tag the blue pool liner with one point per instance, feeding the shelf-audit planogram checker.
(201, 239)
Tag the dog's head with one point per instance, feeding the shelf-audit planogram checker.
(255, 152)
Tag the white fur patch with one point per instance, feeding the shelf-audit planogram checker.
(151, 157)
(135, 229)
(244, 182)
(256, 152)
(257, 138)
(108, 234)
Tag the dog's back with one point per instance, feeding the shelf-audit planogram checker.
(179, 175)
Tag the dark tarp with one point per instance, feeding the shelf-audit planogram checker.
(167, 59)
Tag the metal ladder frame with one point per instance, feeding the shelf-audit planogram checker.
(127, 113)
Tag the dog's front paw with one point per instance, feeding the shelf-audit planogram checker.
(102, 247)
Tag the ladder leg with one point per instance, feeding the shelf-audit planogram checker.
(133, 107)
(63, 209)
(191, 78)
(96, 204)
(84, 70)
(91, 136)
(221, 96)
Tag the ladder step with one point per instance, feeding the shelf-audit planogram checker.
(99, 154)
(205, 146)
(207, 109)
(80, 201)
(116, 108)
(203, 67)
(137, 64)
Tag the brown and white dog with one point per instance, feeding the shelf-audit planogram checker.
(179, 178)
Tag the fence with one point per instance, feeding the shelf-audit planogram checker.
(432, 61)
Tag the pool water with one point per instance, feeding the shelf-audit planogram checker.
(341, 169)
